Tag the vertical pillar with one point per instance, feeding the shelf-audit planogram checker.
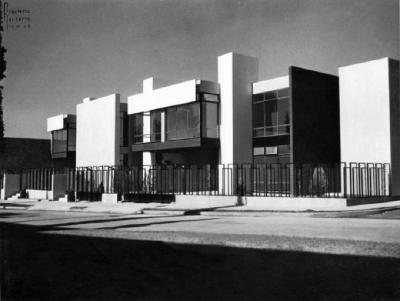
(236, 73)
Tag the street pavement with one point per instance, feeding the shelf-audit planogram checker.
(362, 236)
(51, 255)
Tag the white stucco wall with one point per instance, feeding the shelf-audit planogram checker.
(271, 84)
(97, 134)
(177, 94)
(365, 112)
(236, 73)
(56, 122)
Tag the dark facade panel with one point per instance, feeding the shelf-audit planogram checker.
(315, 116)
(394, 124)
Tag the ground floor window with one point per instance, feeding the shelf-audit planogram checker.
(272, 154)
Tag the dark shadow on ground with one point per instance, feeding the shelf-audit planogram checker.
(63, 267)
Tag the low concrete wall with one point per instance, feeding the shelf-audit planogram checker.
(109, 198)
(206, 200)
(59, 185)
(295, 203)
(10, 185)
(40, 194)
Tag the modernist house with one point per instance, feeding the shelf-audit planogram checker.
(239, 119)
(303, 118)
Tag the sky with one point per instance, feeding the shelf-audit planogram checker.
(80, 48)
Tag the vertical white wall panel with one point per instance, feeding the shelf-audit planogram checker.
(97, 134)
(365, 112)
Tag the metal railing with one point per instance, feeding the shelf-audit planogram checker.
(354, 180)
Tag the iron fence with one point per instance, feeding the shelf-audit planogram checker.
(162, 182)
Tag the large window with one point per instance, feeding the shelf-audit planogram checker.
(71, 138)
(59, 142)
(155, 126)
(210, 119)
(183, 122)
(137, 128)
(271, 115)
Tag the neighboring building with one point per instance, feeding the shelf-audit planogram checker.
(63, 139)
(370, 115)
(20, 153)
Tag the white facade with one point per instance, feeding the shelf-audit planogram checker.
(365, 112)
(370, 116)
(271, 84)
(98, 132)
(56, 122)
(173, 95)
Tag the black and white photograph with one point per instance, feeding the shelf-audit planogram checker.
(199, 150)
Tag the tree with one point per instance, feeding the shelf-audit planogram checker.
(2, 76)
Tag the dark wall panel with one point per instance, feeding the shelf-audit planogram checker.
(315, 116)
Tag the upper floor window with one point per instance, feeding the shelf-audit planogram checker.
(155, 126)
(183, 122)
(271, 113)
(137, 124)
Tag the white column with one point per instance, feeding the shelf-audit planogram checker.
(236, 73)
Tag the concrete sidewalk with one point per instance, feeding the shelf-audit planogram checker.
(82, 206)
(180, 209)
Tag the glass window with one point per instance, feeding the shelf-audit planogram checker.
(258, 115)
(171, 123)
(210, 120)
(283, 93)
(183, 122)
(155, 126)
(270, 113)
(258, 151)
(138, 128)
(284, 149)
(283, 111)
(59, 141)
(270, 95)
(271, 116)
(71, 139)
(258, 97)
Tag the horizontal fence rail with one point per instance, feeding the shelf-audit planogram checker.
(351, 180)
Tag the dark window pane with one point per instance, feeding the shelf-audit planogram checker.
(270, 113)
(71, 139)
(210, 120)
(283, 93)
(59, 141)
(258, 115)
(270, 95)
(284, 149)
(283, 111)
(194, 115)
(155, 126)
(137, 128)
(259, 132)
(258, 97)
